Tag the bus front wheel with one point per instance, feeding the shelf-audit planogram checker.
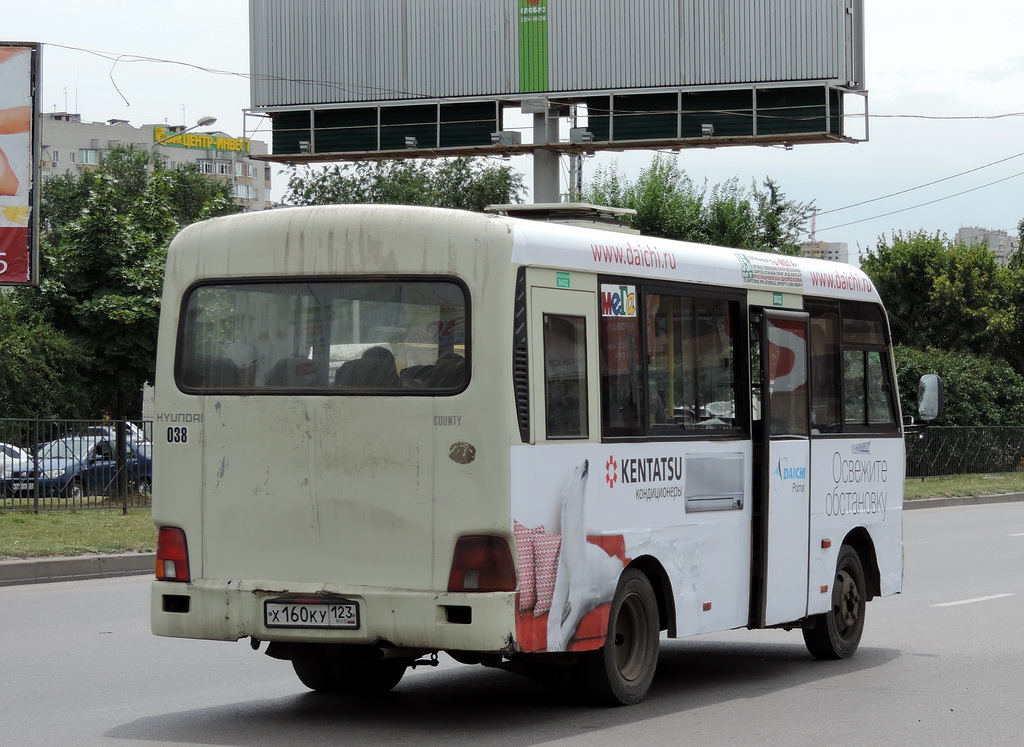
(620, 673)
(836, 633)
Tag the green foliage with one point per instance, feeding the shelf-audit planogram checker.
(979, 390)
(39, 366)
(670, 205)
(958, 314)
(944, 294)
(104, 241)
(461, 183)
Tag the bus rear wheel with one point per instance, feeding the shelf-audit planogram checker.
(620, 673)
(317, 675)
(836, 633)
(352, 677)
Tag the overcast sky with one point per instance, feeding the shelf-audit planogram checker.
(945, 80)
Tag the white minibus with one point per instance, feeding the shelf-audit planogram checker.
(386, 432)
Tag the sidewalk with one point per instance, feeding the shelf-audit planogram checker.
(46, 570)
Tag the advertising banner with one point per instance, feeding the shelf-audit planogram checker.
(533, 45)
(18, 69)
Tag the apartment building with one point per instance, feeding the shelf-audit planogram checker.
(1000, 243)
(70, 145)
(835, 251)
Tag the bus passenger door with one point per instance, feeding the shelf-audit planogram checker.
(782, 510)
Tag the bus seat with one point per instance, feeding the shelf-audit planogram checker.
(368, 373)
(449, 372)
(415, 377)
(293, 371)
(213, 372)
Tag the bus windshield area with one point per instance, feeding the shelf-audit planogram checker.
(405, 336)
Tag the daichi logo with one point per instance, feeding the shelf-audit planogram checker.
(784, 473)
(611, 471)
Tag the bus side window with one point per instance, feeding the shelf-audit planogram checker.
(565, 376)
(621, 375)
(826, 366)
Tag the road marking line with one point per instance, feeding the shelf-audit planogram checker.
(1018, 534)
(971, 601)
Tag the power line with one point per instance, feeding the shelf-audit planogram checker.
(920, 186)
(923, 204)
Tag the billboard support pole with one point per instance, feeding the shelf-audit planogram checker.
(545, 162)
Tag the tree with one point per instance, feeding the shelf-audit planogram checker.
(669, 204)
(979, 389)
(903, 269)
(39, 366)
(104, 241)
(944, 294)
(461, 183)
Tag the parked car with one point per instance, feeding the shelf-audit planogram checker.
(10, 455)
(78, 466)
(99, 477)
(134, 433)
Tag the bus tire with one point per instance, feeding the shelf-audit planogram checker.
(369, 677)
(317, 675)
(836, 634)
(621, 671)
(352, 677)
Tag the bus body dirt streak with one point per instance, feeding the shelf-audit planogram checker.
(400, 431)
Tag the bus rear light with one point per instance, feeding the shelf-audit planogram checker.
(172, 555)
(482, 563)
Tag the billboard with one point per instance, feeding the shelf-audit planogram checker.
(19, 199)
(359, 79)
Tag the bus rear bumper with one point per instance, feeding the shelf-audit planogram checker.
(431, 620)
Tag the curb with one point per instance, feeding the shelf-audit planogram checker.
(76, 568)
(969, 500)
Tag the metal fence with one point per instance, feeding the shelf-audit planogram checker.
(74, 464)
(932, 452)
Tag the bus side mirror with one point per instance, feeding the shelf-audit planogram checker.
(929, 397)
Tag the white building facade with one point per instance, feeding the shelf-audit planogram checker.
(1000, 243)
(834, 251)
(70, 145)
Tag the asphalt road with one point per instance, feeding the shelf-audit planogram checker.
(940, 664)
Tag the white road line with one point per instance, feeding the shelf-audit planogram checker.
(972, 601)
(1018, 534)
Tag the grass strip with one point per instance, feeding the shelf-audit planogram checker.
(27, 535)
(963, 485)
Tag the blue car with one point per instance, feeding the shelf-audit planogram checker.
(77, 467)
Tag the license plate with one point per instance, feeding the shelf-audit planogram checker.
(24, 486)
(342, 614)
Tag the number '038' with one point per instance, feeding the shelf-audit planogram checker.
(177, 434)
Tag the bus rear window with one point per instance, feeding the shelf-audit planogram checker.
(325, 337)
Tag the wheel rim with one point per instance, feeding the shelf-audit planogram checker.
(846, 603)
(629, 641)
